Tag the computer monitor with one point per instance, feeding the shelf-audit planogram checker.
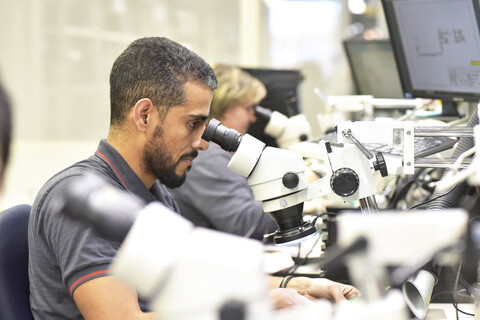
(436, 44)
(373, 68)
(281, 96)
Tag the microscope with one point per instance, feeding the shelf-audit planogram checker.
(277, 178)
(286, 131)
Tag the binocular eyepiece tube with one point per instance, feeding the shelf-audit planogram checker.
(228, 139)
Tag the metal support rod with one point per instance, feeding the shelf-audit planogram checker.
(348, 134)
(440, 163)
(459, 131)
(368, 204)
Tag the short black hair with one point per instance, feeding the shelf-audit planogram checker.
(155, 68)
(5, 128)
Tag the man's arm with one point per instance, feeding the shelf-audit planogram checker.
(107, 298)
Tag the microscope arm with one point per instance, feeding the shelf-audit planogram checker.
(399, 133)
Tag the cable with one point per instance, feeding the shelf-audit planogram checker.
(455, 286)
(454, 303)
(457, 309)
(471, 290)
(403, 185)
(427, 201)
(295, 267)
(455, 176)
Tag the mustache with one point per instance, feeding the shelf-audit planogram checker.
(192, 155)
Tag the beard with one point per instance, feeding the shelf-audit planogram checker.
(157, 161)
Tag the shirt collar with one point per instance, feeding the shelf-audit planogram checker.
(125, 173)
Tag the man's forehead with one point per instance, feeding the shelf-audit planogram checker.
(186, 113)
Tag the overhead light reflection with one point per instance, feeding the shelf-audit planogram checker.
(357, 6)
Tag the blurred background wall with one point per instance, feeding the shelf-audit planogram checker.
(56, 56)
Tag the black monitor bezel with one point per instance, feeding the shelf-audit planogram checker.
(346, 43)
(405, 80)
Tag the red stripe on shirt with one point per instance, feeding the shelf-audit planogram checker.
(88, 276)
(111, 165)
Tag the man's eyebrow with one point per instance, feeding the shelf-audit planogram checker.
(199, 116)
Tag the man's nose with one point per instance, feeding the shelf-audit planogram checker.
(201, 145)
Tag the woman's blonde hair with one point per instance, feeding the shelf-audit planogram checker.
(235, 86)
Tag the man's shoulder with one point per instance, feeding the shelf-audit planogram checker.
(64, 176)
(76, 169)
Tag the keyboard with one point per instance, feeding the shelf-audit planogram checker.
(424, 146)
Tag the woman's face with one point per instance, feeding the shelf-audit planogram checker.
(240, 116)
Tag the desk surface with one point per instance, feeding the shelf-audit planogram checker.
(446, 311)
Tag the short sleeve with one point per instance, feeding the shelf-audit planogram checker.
(81, 253)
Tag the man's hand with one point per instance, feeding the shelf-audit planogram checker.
(285, 298)
(319, 288)
(328, 289)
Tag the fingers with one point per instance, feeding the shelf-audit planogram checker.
(337, 293)
(351, 292)
(284, 298)
(327, 289)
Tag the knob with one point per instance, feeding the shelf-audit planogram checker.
(344, 182)
(290, 180)
(380, 164)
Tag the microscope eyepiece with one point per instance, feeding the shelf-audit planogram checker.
(228, 139)
(263, 114)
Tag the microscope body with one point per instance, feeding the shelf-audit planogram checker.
(277, 176)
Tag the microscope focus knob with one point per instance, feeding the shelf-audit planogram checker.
(344, 182)
(380, 164)
(290, 180)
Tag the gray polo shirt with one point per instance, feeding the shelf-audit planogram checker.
(64, 252)
(216, 197)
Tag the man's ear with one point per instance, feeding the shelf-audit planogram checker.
(143, 114)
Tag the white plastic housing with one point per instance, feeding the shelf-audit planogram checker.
(151, 249)
(297, 126)
(287, 131)
(189, 273)
(276, 124)
(247, 155)
(214, 268)
(395, 239)
(266, 179)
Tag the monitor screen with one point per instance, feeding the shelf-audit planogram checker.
(373, 68)
(436, 44)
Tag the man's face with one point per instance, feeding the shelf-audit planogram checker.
(176, 140)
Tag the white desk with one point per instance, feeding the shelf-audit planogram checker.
(446, 311)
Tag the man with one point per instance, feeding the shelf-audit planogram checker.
(5, 132)
(214, 196)
(160, 98)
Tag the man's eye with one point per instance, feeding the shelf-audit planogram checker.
(193, 124)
